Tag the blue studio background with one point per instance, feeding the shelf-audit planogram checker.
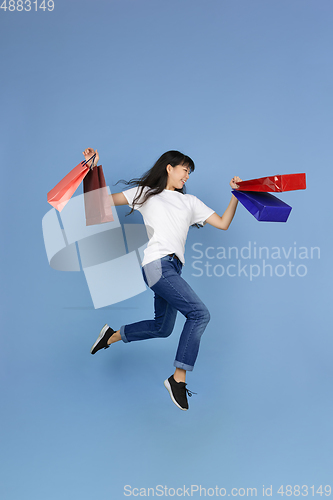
(244, 88)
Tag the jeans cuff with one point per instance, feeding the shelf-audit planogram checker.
(122, 334)
(183, 366)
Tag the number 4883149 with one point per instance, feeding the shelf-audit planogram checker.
(27, 5)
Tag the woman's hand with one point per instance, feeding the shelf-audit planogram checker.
(233, 182)
(88, 153)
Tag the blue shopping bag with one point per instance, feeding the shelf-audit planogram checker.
(263, 206)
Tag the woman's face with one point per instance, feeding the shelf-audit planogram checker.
(177, 176)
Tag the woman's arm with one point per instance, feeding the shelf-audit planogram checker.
(225, 221)
(115, 198)
(118, 199)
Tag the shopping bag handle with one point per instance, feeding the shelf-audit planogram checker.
(92, 158)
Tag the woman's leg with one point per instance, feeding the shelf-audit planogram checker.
(114, 338)
(179, 375)
(171, 293)
(161, 326)
(178, 293)
(164, 314)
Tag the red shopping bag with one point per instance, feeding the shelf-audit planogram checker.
(64, 190)
(97, 201)
(275, 183)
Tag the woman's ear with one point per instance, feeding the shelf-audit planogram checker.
(168, 168)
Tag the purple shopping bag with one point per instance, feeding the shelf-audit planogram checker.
(263, 206)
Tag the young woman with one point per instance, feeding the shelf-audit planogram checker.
(168, 213)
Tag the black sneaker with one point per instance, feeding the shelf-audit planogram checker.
(102, 339)
(178, 392)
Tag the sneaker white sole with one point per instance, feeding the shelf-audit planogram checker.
(100, 336)
(168, 387)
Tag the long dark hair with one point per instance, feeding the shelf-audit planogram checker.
(156, 178)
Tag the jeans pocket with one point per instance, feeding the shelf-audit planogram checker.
(144, 275)
(152, 272)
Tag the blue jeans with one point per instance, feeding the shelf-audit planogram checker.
(171, 294)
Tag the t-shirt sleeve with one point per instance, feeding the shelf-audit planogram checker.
(130, 195)
(200, 211)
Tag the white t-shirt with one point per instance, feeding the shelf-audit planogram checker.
(167, 217)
